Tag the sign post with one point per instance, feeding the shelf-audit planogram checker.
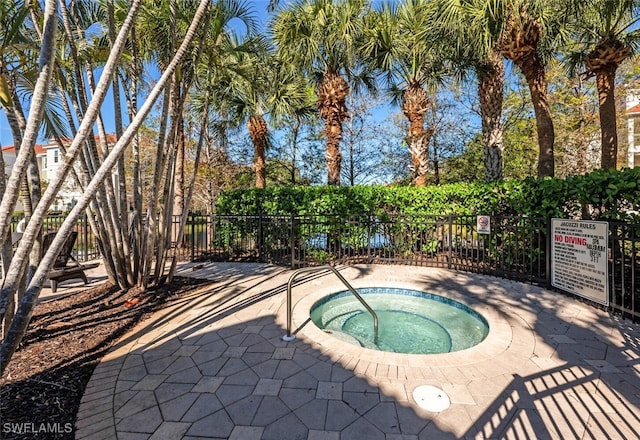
(579, 258)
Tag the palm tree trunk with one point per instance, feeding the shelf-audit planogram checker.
(23, 156)
(295, 132)
(333, 156)
(184, 212)
(332, 95)
(117, 108)
(258, 130)
(151, 224)
(490, 93)
(135, 215)
(20, 322)
(31, 185)
(178, 199)
(605, 80)
(108, 204)
(5, 255)
(533, 69)
(415, 104)
(419, 150)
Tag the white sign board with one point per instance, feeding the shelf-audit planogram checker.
(483, 223)
(579, 258)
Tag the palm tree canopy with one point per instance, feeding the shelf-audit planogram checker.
(12, 17)
(603, 32)
(397, 44)
(476, 27)
(321, 36)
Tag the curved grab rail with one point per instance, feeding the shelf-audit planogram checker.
(289, 336)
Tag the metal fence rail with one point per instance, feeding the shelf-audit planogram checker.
(86, 246)
(516, 248)
(624, 268)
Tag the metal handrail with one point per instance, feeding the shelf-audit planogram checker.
(289, 336)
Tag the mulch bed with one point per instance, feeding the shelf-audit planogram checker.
(41, 390)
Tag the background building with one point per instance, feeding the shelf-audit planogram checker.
(48, 158)
(633, 128)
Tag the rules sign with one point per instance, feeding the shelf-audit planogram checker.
(579, 258)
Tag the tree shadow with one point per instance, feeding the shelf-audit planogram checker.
(212, 364)
(216, 365)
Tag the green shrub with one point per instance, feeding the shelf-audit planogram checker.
(602, 194)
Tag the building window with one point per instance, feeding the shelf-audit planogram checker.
(56, 156)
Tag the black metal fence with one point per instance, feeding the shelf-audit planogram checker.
(516, 248)
(86, 246)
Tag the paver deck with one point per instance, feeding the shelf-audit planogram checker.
(214, 366)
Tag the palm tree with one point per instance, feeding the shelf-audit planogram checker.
(168, 174)
(460, 25)
(490, 73)
(397, 44)
(21, 320)
(530, 33)
(12, 18)
(606, 34)
(38, 102)
(320, 36)
(270, 89)
(78, 58)
(18, 264)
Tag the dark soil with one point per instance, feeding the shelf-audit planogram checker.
(41, 390)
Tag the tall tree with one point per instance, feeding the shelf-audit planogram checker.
(80, 55)
(605, 33)
(320, 36)
(473, 45)
(575, 109)
(168, 174)
(20, 322)
(270, 90)
(38, 100)
(531, 32)
(396, 43)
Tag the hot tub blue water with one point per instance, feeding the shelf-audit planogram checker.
(409, 321)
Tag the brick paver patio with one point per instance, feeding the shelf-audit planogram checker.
(214, 366)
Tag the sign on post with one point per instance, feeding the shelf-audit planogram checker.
(579, 258)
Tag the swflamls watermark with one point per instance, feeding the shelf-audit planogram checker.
(36, 428)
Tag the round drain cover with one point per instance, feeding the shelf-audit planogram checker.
(431, 398)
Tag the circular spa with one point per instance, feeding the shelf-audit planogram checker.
(409, 321)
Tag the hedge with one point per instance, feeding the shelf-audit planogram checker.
(600, 195)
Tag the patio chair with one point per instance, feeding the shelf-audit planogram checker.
(65, 267)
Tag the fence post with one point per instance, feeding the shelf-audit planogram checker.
(292, 242)
(450, 242)
(547, 253)
(260, 237)
(368, 238)
(193, 236)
